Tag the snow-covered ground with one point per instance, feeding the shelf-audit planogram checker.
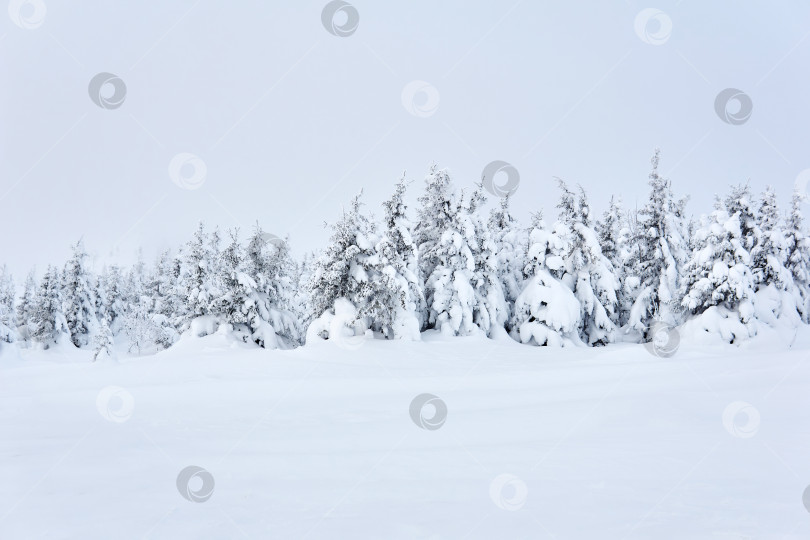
(319, 442)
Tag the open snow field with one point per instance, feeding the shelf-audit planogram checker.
(319, 442)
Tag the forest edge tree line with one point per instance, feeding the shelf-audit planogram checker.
(577, 281)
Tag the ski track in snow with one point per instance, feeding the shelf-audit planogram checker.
(318, 442)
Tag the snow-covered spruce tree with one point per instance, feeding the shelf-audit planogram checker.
(341, 275)
(510, 253)
(113, 303)
(768, 256)
(739, 201)
(718, 277)
(691, 228)
(242, 304)
(546, 311)
(491, 311)
(629, 253)
(608, 230)
(435, 214)
(613, 232)
(25, 307)
(79, 298)
(775, 291)
(103, 343)
(160, 285)
(402, 304)
(371, 273)
(100, 298)
(48, 323)
(797, 254)
(283, 279)
(301, 300)
(446, 236)
(151, 282)
(174, 306)
(656, 262)
(8, 331)
(283, 273)
(269, 263)
(198, 281)
(239, 301)
(134, 288)
(215, 256)
(7, 294)
(587, 271)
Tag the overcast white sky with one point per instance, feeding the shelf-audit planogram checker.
(291, 121)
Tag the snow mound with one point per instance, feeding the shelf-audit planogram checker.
(718, 321)
(340, 325)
